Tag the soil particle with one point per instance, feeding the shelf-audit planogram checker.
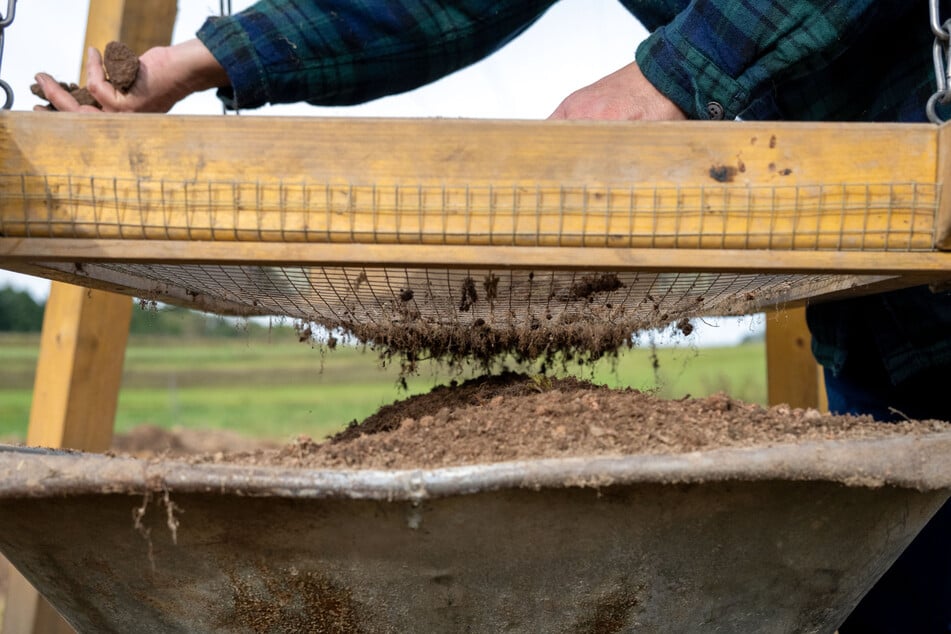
(588, 285)
(685, 326)
(122, 65)
(469, 295)
(516, 417)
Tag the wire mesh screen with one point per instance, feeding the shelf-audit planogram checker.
(478, 314)
(848, 216)
(445, 309)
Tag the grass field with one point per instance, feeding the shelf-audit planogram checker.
(272, 386)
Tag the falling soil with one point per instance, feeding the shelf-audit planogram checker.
(516, 417)
(121, 67)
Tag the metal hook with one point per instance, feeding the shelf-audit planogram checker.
(7, 19)
(8, 100)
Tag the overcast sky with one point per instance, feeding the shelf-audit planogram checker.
(574, 44)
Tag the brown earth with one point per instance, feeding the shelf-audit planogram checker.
(515, 417)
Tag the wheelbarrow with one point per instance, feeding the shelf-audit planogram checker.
(782, 538)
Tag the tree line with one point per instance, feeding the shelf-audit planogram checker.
(19, 312)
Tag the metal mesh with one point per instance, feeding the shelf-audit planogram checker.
(429, 305)
(446, 309)
(896, 216)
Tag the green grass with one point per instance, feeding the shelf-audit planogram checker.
(272, 386)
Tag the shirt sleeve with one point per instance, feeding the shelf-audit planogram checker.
(726, 58)
(341, 52)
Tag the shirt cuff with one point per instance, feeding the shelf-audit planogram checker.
(689, 78)
(233, 48)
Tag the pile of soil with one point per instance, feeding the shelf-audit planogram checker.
(516, 417)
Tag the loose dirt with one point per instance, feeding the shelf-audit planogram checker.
(516, 417)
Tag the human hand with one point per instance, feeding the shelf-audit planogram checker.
(623, 95)
(167, 74)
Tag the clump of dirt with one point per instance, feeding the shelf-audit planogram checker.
(550, 342)
(518, 417)
(81, 95)
(591, 284)
(121, 66)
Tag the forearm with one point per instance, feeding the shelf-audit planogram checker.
(720, 59)
(337, 52)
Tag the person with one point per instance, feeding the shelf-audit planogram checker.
(863, 60)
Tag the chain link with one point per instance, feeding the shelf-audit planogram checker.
(941, 52)
(5, 21)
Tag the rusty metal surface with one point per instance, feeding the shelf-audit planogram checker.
(780, 539)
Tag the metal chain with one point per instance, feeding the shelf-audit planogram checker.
(941, 51)
(5, 21)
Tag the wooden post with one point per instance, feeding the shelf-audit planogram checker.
(943, 224)
(793, 376)
(82, 347)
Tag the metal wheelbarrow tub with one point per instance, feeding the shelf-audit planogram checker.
(784, 538)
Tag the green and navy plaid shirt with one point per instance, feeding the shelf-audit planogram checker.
(795, 59)
(851, 60)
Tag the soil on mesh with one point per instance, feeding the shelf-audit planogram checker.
(552, 344)
(516, 417)
(121, 66)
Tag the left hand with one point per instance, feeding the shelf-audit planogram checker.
(623, 95)
(59, 97)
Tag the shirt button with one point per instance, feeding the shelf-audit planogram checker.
(714, 111)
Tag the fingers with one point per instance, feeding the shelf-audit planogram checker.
(95, 72)
(559, 113)
(58, 97)
(97, 84)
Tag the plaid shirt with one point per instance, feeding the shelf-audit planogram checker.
(796, 59)
(851, 60)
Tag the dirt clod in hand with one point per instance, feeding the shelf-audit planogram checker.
(122, 68)
(122, 65)
(81, 95)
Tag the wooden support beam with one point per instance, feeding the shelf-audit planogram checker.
(793, 376)
(943, 224)
(84, 331)
(760, 185)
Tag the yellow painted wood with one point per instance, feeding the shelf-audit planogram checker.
(140, 24)
(923, 266)
(943, 225)
(79, 369)
(793, 376)
(617, 184)
(84, 331)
